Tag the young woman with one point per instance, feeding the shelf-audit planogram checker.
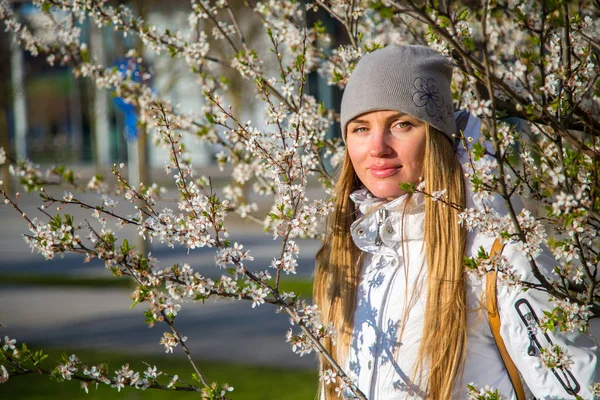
(410, 323)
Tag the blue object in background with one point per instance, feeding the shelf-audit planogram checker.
(128, 65)
(130, 111)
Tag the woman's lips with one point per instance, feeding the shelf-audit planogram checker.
(384, 171)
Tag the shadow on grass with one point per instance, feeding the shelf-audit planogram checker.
(250, 382)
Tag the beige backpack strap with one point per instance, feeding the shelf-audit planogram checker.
(494, 320)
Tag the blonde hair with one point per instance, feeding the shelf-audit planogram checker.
(443, 345)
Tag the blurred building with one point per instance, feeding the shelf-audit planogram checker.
(51, 117)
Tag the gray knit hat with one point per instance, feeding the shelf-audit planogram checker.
(414, 80)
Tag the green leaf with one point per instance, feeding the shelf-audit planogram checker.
(469, 43)
(319, 27)
(38, 357)
(125, 246)
(407, 187)
(373, 47)
(69, 220)
(201, 297)
(150, 318)
(470, 263)
(481, 253)
(337, 77)
(478, 151)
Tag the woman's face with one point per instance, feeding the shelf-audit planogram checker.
(386, 148)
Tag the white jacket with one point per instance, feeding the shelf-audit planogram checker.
(381, 359)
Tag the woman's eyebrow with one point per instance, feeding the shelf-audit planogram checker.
(391, 117)
(395, 116)
(358, 121)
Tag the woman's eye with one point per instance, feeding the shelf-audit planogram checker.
(402, 124)
(359, 129)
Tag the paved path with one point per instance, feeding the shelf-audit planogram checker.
(16, 256)
(100, 319)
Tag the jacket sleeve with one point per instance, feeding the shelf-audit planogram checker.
(519, 313)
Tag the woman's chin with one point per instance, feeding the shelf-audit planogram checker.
(387, 193)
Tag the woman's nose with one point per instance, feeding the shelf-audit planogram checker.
(379, 144)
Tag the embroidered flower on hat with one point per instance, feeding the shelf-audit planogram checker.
(428, 96)
(440, 116)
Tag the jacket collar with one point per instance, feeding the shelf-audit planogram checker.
(365, 202)
(382, 225)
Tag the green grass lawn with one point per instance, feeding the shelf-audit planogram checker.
(250, 383)
(300, 286)
(66, 281)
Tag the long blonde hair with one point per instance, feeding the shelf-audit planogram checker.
(443, 345)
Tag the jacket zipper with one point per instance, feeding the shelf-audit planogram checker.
(531, 330)
(531, 322)
(382, 216)
(373, 392)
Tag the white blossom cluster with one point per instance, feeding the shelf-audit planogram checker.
(186, 230)
(183, 283)
(28, 174)
(485, 393)
(283, 21)
(571, 316)
(336, 154)
(554, 356)
(248, 64)
(123, 377)
(482, 264)
(122, 18)
(343, 384)
(170, 341)
(8, 347)
(234, 256)
(52, 238)
(374, 30)
(72, 368)
(307, 316)
(288, 261)
(339, 66)
(4, 375)
(257, 294)
(439, 195)
(595, 389)
(493, 225)
(535, 234)
(488, 223)
(569, 203)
